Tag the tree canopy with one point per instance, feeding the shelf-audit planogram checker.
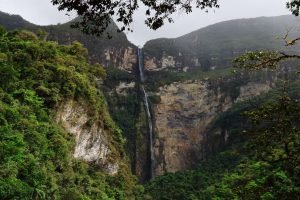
(96, 15)
(36, 160)
(294, 6)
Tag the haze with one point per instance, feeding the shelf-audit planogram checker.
(42, 12)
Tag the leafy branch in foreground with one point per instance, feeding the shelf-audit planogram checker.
(294, 6)
(255, 60)
(97, 15)
(267, 59)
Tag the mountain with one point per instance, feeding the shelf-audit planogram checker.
(114, 52)
(14, 21)
(215, 46)
(188, 95)
(57, 137)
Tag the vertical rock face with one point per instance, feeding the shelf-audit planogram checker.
(171, 62)
(182, 118)
(123, 58)
(215, 46)
(251, 90)
(115, 52)
(91, 143)
(150, 64)
(129, 59)
(167, 61)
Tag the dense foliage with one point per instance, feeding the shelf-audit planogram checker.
(36, 160)
(265, 165)
(35, 153)
(123, 108)
(63, 34)
(97, 15)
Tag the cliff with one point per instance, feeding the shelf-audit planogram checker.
(116, 52)
(188, 81)
(183, 117)
(216, 45)
(92, 141)
(58, 140)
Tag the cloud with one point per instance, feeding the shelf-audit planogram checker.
(42, 12)
(186, 23)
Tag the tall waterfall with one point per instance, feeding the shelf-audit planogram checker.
(147, 109)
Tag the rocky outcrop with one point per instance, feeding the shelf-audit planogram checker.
(215, 46)
(167, 62)
(182, 118)
(151, 64)
(123, 58)
(116, 51)
(91, 141)
(178, 62)
(122, 89)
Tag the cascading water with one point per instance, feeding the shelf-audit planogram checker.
(147, 109)
(141, 65)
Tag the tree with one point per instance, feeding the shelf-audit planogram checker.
(294, 6)
(97, 15)
(276, 134)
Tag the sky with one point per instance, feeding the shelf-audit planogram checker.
(42, 12)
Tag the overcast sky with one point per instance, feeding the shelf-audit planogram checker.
(42, 12)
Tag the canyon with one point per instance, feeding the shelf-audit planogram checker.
(166, 127)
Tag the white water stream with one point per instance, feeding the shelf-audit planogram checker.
(147, 109)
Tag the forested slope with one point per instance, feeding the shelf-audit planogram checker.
(262, 162)
(216, 45)
(36, 153)
(109, 51)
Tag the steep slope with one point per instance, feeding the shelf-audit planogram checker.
(114, 52)
(14, 21)
(238, 173)
(216, 45)
(183, 104)
(57, 138)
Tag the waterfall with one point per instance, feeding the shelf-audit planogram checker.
(141, 66)
(147, 109)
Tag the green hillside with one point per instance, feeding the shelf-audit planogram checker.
(216, 45)
(36, 160)
(64, 34)
(14, 21)
(46, 66)
(262, 161)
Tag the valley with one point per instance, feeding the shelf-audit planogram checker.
(168, 112)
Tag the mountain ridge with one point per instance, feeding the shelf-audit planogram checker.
(230, 20)
(108, 52)
(216, 45)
